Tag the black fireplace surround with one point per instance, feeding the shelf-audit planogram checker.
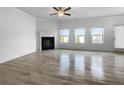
(47, 43)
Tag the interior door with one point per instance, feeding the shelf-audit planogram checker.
(119, 37)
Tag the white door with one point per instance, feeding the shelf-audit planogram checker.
(119, 37)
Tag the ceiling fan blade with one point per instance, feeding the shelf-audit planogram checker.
(55, 8)
(53, 14)
(60, 8)
(67, 9)
(67, 14)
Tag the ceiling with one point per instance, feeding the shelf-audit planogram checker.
(76, 12)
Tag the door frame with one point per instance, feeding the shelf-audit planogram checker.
(114, 37)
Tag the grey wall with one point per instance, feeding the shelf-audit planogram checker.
(45, 28)
(17, 34)
(106, 22)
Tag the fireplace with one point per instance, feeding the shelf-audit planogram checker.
(47, 43)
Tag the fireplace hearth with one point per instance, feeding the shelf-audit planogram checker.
(47, 43)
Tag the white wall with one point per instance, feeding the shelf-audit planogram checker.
(45, 28)
(17, 34)
(106, 22)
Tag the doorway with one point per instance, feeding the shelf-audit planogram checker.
(119, 37)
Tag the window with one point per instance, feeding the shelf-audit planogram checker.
(97, 35)
(79, 35)
(64, 36)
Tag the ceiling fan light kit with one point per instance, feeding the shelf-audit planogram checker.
(61, 11)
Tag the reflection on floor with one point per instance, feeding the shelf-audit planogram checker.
(64, 67)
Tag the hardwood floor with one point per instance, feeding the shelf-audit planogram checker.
(64, 67)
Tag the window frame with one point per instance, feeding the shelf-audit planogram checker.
(94, 35)
(65, 36)
(79, 35)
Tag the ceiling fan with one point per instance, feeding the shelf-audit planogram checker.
(61, 11)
